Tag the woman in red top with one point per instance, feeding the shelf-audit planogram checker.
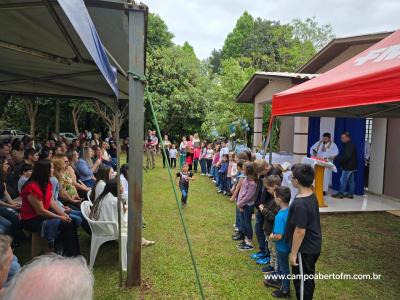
(38, 205)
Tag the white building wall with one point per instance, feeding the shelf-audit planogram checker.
(377, 158)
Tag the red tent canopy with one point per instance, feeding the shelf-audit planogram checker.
(367, 85)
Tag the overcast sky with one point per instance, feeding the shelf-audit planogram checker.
(205, 23)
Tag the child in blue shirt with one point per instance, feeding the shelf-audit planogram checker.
(282, 199)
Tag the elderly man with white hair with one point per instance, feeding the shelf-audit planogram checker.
(52, 277)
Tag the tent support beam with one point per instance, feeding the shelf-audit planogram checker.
(63, 30)
(40, 54)
(44, 82)
(136, 17)
(47, 78)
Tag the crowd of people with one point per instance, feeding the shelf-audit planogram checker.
(42, 188)
(288, 231)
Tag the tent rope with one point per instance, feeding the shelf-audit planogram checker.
(185, 230)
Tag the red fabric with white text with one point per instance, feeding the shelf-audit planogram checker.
(372, 77)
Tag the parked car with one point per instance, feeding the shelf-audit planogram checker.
(11, 134)
(69, 136)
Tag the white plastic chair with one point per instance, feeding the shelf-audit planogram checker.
(88, 197)
(100, 232)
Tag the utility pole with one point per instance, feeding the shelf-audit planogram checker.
(137, 18)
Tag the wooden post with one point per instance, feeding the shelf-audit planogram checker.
(136, 31)
(319, 184)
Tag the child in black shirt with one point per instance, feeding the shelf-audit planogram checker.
(303, 230)
(183, 178)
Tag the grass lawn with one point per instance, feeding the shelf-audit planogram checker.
(353, 243)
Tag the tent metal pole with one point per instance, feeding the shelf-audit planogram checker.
(136, 137)
(270, 140)
(119, 206)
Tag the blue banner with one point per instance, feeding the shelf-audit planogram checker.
(78, 15)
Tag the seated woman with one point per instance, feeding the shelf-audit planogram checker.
(124, 181)
(104, 174)
(39, 209)
(17, 152)
(105, 157)
(68, 193)
(73, 157)
(86, 168)
(9, 209)
(105, 209)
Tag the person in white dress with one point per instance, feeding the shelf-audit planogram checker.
(327, 150)
(105, 208)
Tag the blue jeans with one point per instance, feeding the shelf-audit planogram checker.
(245, 221)
(15, 267)
(283, 269)
(76, 217)
(203, 166)
(185, 192)
(89, 183)
(237, 222)
(347, 180)
(5, 225)
(260, 231)
(223, 182)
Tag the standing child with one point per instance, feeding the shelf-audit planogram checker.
(232, 171)
(269, 209)
(214, 168)
(189, 158)
(203, 162)
(172, 156)
(262, 168)
(183, 182)
(182, 152)
(245, 204)
(303, 231)
(209, 158)
(239, 232)
(282, 199)
(222, 172)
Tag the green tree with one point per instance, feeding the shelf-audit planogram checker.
(235, 40)
(222, 109)
(177, 86)
(310, 31)
(158, 34)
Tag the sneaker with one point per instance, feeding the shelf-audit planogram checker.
(214, 181)
(236, 229)
(258, 255)
(273, 283)
(219, 191)
(241, 244)
(262, 261)
(280, 294)
(267, 269)
(224, 192)
(350, 196)
(246, 247)
(238, 237)
(338, 196)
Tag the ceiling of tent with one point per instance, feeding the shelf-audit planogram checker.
(42, 54)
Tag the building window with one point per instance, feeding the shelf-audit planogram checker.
(368, 129)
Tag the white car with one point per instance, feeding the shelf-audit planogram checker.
(69, 136)
(11, 134)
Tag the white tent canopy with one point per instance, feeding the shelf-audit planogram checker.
(42, 54)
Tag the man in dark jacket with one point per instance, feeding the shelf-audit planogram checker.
(348, 163)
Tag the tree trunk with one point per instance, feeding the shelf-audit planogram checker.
(57, 119)
(31, 106)
(76, 111)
